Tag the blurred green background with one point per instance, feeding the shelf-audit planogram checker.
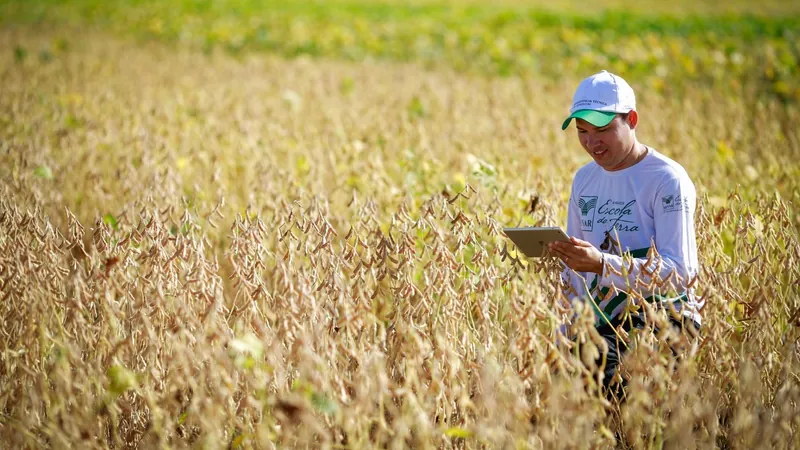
(746, 48)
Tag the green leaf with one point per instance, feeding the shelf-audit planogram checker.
(20, 54)
(121, 379)
(111, 221)
(72, 122)
(347, 85)
(606, 432)
(246, 351)
(725, 153)
(324, 404)
(184, 229)
(416, 109)
(43, 172)
(482, 170)
(458, 182)
(302, 165)
(249, 344)
(238, 441)
(458, 432)
(61, 44)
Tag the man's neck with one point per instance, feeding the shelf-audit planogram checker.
(640, 151)
(637, 153)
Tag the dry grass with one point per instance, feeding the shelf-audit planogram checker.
(261, 253)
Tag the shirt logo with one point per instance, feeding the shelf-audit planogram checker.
(618, 215)
(672, 203)
(587, 204)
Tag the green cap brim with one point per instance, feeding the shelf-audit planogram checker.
(596, 118)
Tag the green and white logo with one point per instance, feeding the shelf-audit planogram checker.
(587, 204)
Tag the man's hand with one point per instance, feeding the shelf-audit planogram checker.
(578, 255)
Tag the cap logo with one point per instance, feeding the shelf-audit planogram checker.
(589, 103)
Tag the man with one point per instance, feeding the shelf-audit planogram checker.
(630, 219)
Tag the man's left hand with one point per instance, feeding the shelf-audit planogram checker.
(578, 255)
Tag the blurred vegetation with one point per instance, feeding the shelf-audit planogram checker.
(738, 51)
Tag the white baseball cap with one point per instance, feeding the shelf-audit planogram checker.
(599, 98)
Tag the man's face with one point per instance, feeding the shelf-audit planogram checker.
(611, 145)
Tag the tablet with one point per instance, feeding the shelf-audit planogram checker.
(533, 241)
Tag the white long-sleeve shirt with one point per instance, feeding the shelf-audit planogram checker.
(624, 213)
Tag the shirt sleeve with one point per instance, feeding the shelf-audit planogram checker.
(573, 283)
(674, 263)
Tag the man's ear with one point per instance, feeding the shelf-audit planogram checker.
(633, 119)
